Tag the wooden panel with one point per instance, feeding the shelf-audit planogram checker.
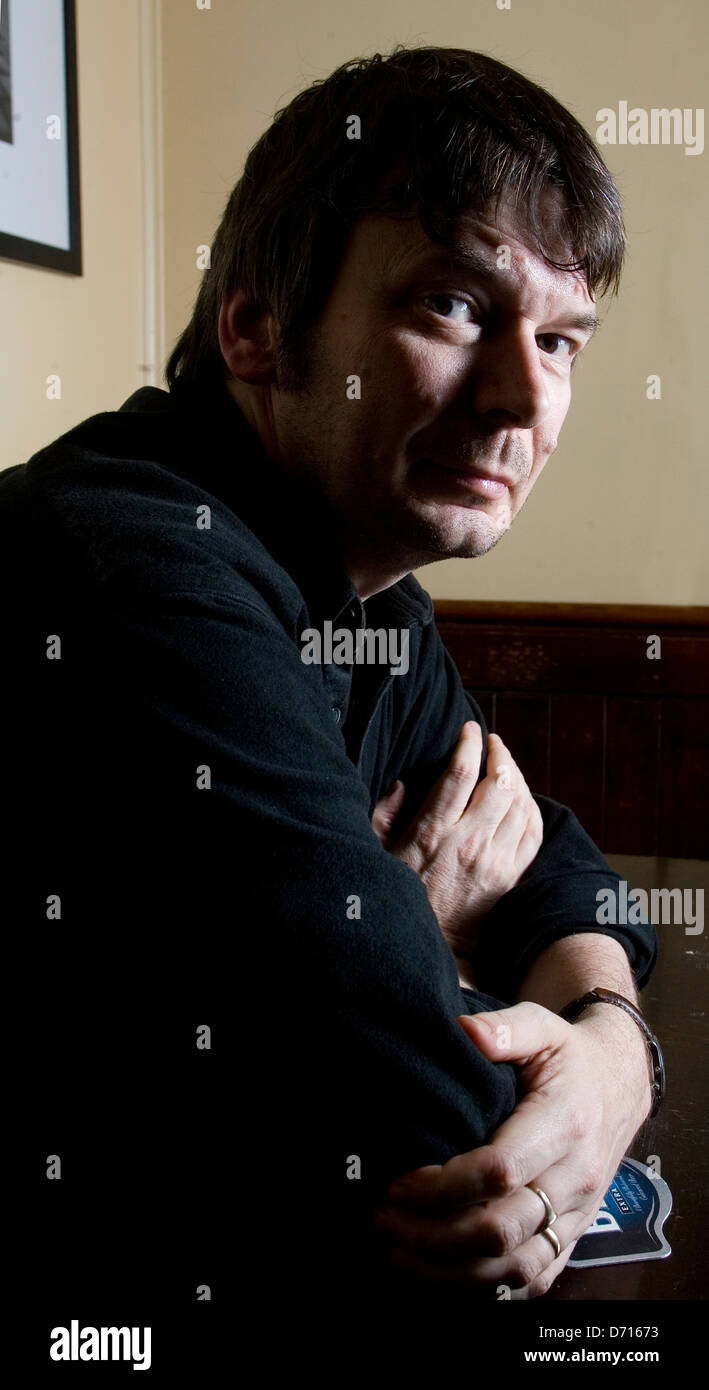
(523, 724)
(574, 614)
(684, 779)
(598, 659)
(487, 700)
(632, 769)
(577, 759)
(638, 783)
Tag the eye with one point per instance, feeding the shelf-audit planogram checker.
(549, 342)
(446, 300)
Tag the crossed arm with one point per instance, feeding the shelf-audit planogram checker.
(587, 1085)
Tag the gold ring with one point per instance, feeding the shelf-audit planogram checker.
(549, 1213)
(553, 1239)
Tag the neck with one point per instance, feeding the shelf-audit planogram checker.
(368, 573)
(370, 577)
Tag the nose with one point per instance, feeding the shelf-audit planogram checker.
(508, 377)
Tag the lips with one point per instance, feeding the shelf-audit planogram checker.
(483, 473)
(479, 481)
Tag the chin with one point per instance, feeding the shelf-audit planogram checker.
(470, 550)
(466, 543)
(422, 536)
(437, 547)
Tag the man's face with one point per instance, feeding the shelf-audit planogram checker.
(464, 366)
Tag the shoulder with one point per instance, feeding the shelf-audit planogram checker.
(109, 505)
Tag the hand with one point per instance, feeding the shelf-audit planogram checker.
(473, 1220)
(468, 844)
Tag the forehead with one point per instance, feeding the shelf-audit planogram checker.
(397, 251)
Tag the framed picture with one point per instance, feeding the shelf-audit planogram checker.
(40, 218)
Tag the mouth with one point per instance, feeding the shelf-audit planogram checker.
(477, 481)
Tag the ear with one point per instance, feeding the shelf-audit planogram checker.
(247, 340)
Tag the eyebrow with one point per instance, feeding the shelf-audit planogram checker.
(457, 258)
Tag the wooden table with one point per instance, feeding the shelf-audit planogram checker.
(675, 1004)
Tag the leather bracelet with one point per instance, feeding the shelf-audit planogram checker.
(608, 996)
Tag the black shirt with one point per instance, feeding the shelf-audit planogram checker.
(192, 839)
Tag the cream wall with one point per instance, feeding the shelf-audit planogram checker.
(620, 513)
(88, 329)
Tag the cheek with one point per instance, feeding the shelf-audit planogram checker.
(418, 367)
(543, 449)
(544, 446)
(546, 436)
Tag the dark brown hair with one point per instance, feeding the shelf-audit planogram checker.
(443, 131)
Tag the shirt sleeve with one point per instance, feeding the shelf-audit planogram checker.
(219, 827)
(557, 895)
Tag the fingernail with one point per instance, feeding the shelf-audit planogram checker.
(478, 1018)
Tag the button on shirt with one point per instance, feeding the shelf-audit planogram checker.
(338, 675)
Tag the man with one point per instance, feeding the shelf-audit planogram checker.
(329, 863)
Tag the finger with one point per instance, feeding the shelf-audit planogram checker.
(510, 831)
(534, 1260)
(516, 1034)
(535, 1135)
(387, 809)
(514, 843)
(492, 851)
(531, 842)
(486, 1229)
(539, 1131)
(447, 801)
(494, 795)
(501, 766)
(544, 1281)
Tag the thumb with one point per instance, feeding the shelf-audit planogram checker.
(515, 1034)
(386, 811)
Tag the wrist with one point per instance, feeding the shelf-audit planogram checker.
(570, 966)
(628, 1055)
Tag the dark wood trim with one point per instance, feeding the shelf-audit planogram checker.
(594, 720)
(579, 649)
(573, 614)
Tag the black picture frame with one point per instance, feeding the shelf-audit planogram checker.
(17, 248)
